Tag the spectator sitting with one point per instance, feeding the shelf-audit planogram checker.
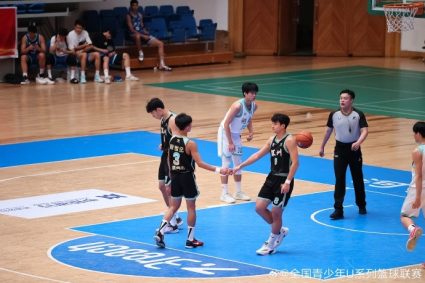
(103, 43)
(139, 33)
(80, 43)
(59, 54)
(33, 50)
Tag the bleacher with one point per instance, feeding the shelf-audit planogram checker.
(186, 42)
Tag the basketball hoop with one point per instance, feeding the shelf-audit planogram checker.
(400, 17)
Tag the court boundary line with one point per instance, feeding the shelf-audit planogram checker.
(32, 275)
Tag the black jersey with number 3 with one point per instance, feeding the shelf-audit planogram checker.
(165, 132)
(280, 159)
(180, 161)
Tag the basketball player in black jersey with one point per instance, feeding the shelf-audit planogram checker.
(279, 183)
(182, 156)
(156, 108)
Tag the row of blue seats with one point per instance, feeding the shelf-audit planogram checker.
(28, 8)
(175, 28)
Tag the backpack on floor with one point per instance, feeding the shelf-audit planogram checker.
(13, 78)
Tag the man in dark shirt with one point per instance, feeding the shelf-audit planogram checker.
(103, 43)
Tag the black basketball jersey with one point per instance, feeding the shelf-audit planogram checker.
(280, 159)
(180, 161)
(29, 41)
(166, 132)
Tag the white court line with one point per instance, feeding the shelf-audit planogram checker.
(33, 276)
(75, 170)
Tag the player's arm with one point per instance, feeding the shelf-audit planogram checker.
(255, 156)
(130, 24)
(328, 133)
(250, 126)
(363, 134)
(417, 160)
(192, 149)
(234, 109)
(42, 47)
(291, 145)
(24, 48)
(172, 124)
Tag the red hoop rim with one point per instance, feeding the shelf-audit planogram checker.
(405, 5)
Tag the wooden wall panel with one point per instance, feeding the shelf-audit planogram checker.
(330, 28)
(236, 25)
(366, 32)
(260, 30)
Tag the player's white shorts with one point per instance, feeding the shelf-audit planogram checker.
(223, 149)
(406, 209)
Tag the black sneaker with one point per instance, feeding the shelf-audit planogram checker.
(25, 80)
(74, 81)
(362, 210)
(159, 239)
(193, 244)
(337, 214)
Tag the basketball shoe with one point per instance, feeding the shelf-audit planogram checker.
(193, 244)
(227, 198)
(171, 229)
(283, 233)
(159, 239)
(266, 249)
(242, 196)
(413, 238)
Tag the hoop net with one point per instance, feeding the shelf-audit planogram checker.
(400, 17)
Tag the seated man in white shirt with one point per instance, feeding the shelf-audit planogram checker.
(79, 41)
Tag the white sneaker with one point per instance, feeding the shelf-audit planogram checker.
(49, 81)
(131, 78)
(98, 79)
(141, 56)
(283, 233)
(242, 196)
(107, 80)
(170, 229)
(227, 198)
(82, 79)
(265, 249)
(40, 81)
(413, 238)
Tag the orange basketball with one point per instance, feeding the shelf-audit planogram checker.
(304, 139)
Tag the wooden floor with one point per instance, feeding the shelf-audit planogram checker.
(38, 112)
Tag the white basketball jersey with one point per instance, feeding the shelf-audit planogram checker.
(242, 118)
(421, 149)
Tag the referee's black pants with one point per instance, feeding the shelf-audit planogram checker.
(343, 157)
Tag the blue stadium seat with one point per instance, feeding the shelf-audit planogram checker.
(36, 8)
(184, 10)
(189, 24)
(166, 10)
(207, 30)
(108, 21)
(158, 28)
(91, 21)
(178, 32)
(151, 11)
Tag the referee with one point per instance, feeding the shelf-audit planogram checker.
(350, 132)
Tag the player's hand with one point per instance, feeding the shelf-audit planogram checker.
(355, 146)
(417, 203)
(250, 137)
(322, 152)
(236, 168)
(224, 171)
(284, 188)
(231, 147)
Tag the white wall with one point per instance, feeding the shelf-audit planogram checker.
(204, 9)
(414, 40)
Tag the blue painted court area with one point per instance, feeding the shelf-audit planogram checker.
(316, 246)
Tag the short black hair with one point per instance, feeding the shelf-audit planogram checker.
(63, 32)
(182, 121)
(134, 2)
(281, 118)
(249, 87)
(419, 127)
(78, 22)
(32, 27)
(153, 104)
(349, 92)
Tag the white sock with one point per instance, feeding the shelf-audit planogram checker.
(225, 188)
(83, 73)
(173, 221)
(41, 72)
(97, 73)
(49, 73)
(25, 74)
(162, 226)
(127, 72)
(238, 186)
(411, 227)
(106, 73)
(161, 62)
(72, 74)
(190, 233)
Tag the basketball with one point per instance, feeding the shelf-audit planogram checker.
(304, 139)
